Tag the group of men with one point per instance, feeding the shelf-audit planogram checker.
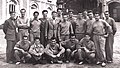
(61, 38)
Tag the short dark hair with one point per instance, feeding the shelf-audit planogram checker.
(90, 11)
(37, 38)
(106, 12)
(23, 9)
(54, 12)
(59, 9)
(97, 13)
(72, 35)
(24, 36)
(44, 11)
(53, 38)
(36, 12)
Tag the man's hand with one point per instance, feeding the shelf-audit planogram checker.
(106, 35)
(58, 55)
(40, 54)
(54, 56)
(72, 54)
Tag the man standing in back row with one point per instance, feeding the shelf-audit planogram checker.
(110, 38)
(23, 24)
(100, 30)
(9, 28)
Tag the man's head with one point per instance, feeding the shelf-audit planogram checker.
(106, 14)
(97, 16)
(36, 14)
(44, 13)
(59, 11)
(70, 13)
(85, 13)
(22, 11)
(87, 37)
(90, 14)
(80, 15)
(12, 15)
(25, 38)
(65, 17)
(72, 37)
(54, 14)
(53, 41)
(37, 40)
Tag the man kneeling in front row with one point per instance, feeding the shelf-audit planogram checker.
(54, 51)
(86, 50)
(37, 51)
(22, 50)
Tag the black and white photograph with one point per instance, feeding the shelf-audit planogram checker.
(59, 33)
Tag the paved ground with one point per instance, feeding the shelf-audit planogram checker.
(115, 64)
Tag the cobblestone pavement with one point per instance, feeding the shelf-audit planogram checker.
(115, 64)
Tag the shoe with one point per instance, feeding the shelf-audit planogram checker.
(51, 62)
(103, 64)
(80, 63)
(10, 62)
(17, 63)
(67, 61)
(60, 62)
(98, 63)
(109, 61)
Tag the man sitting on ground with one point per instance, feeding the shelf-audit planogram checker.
(37, 51)
(21, 50)
(54, 52)
(70, 47)
(86, 50)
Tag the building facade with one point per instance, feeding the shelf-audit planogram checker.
(7, 6)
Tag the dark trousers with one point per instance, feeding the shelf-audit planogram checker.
(19, 56)
(81, 55)
(10, 50)
(109, 47)
(49, 58)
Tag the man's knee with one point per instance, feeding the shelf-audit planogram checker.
(79, 50)
(92, 55)
(68, 50)
(16, 52)
(28, 56)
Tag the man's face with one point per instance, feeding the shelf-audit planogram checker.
(106, 14)
(87, 37)
(72, 38)
(45, 14)
(53, 42)
(65, 17)
(70, 14)
(90, 15)
(12, 15)
(59, 12)
(36, 15)
(85, 13)
(23, 13)
(54, 15)
(97, 17)
(80, 15)
(37, 41)
(25, 39)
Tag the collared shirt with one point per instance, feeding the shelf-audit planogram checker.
(99, 27)
(88, 25)
(68, 44)
(53, 49)
(24, 46)
(23, 23)
(65, 28)
(35, 49)
(111, 22)
(86, 43)
(80, 26)
(35, 25)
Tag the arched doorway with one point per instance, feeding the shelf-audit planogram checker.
(114, 9)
